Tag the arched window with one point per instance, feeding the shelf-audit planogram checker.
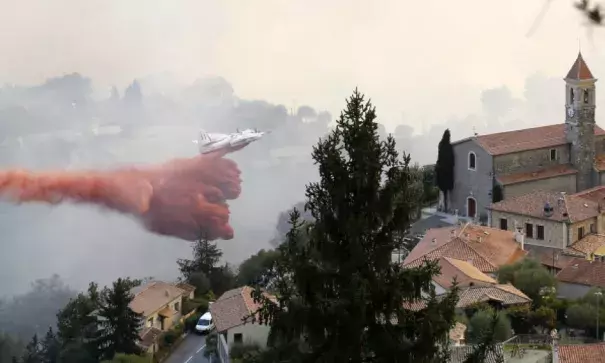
(586, 96)
(571, 96)
(472, 161)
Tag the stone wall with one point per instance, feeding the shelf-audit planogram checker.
(477, 183)
(563, 183)
(555, 233)
(531, 160)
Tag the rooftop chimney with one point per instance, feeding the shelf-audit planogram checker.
(520, 238)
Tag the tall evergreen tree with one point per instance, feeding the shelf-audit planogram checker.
(444, 168)
(77, 324)
(206, 256)
(337, 288)
(51, 347)
(119, 324)
(33, 352)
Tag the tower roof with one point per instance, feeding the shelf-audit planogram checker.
(579, 70)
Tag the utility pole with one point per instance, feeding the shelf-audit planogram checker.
(598, 294)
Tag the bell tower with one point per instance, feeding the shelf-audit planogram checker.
(580, 121)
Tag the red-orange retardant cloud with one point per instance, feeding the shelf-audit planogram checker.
(181, 198)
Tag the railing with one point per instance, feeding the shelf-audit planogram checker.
(223, 349)
(530, 339)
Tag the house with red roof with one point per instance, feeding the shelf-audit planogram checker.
(564, 157)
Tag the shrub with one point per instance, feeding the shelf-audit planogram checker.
(191, 321)
(244, 351)
(169, 338)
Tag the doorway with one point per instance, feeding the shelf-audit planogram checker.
(471, 207)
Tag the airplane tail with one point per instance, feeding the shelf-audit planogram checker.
(204, 136)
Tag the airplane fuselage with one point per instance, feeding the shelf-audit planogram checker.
(212, 142)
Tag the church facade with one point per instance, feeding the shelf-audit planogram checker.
(567, 157)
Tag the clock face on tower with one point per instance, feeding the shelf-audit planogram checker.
(570, 111)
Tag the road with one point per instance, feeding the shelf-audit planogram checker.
(191, 350)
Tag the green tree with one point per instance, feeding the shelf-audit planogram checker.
(118, 332)
(336, 287)
(211, 345)
(206, 256)
(76, 326)
(253, 270)
(51, 347)
(200, 281)
(33, 351)
(127, 358)
(480, 326)
(497, 194)
(222, 278)
(529, 276)
(430, 193)
(487, 328)
(582, 316)
(444, 169)
(9, 347)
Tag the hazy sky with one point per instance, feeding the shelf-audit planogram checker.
(408, 55)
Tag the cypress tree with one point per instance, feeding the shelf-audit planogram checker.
(339, 298)
(444, 168)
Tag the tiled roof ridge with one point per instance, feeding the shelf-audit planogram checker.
(248, 289)
(518, 130)
(480, 254)
(500, 287)
(443, 246)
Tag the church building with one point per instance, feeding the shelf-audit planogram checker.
(567, 157)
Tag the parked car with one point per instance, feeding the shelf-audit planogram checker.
(205, 324)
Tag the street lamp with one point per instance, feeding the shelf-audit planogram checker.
(598, 294)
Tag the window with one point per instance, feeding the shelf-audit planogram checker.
(177, 306)
(540, 233)
(586, 96)
(580, 233)
(553, 154)
(238, 338)
(592, 228)
(571, 95)
(503, 224)
(529, 230)
(472, 161)
(150, 322)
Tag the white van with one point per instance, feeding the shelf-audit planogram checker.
(205, 324)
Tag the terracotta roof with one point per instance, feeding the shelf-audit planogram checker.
(579, 70)
(153, 296)
(487, 248)
(461, 353)
(149, 336)
(565, 207)
(457, 332)
(545, 173)
(187, 288)
(505, 293)
(583, 272)
(540, 137)
(233, 307)
(582, 353)
(588, 244)
(596, 194)
(464, 272)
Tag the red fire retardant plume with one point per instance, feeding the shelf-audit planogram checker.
(182, 198)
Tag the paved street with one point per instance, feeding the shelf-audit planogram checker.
(191, 350)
